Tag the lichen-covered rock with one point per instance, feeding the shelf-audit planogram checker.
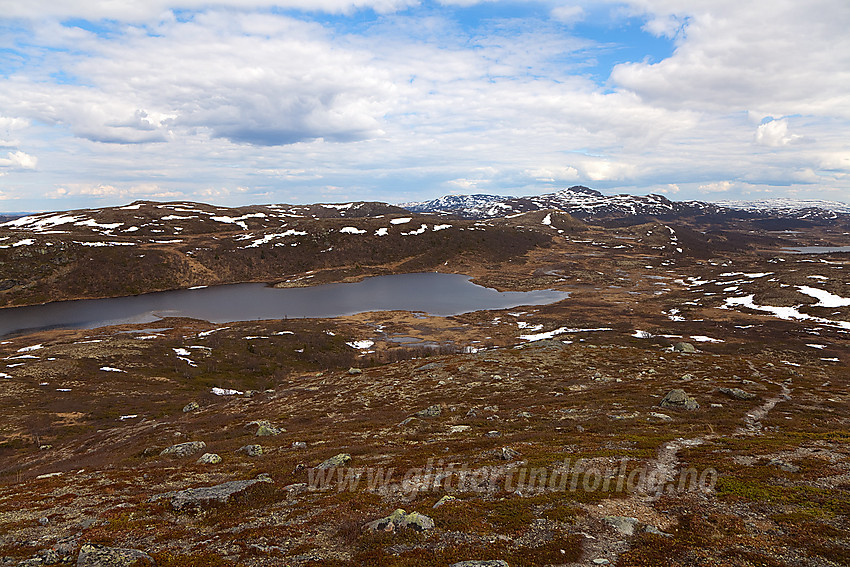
(354, 371)
(401, 519)
(184, 449)
(684, 347)
(336, 461)
(678, 399)
(191, 406)
(264, 428)
(737, 393)
(94, 555)
(220, 493)
(251, 450)
(209, 459)
(481, 563)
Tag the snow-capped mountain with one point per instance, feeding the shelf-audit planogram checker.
(578, 201)
(799, 208)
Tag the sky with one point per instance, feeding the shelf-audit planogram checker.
(240, 102)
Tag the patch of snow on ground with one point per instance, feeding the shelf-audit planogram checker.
(382, 232)
(361, 345)
(126, 417)
(638, 334)
(787, 313)
(31, 348)
(704, 339)
(402, 220)
(547, 220)
(211, 331)
(419, 230)
(351, 230)
(4, 375)
(181, 352)
(813, 345)
(110, 369)
(226, 392)
(441, 227)
(825, 299)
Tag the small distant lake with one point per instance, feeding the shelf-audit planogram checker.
(815, 249)
(433, 293)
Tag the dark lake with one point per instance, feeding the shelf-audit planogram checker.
(437, 294)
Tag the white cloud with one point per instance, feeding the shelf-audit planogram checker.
(568, 14)
(18, 160)
(775, 134)
(142, 10)
(716, 187)
(147, 190)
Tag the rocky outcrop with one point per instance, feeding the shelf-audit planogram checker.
(219, 494)
(400, 519)
(336, 461)
(94, 555)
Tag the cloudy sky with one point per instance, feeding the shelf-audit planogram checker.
(260, 101)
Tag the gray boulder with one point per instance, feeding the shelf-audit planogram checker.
(251, 450)
(401, 519)
(481, 563)
(737, 393)
(678, 399)
(623, 524)
(209, 459)
(336, 461)
(264, 428)
(95, 555)
(684, 347)
(184, 449)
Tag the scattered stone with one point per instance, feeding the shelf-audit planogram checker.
(191, 406)
(687, 377)
(299, 445)
(336, 461)
(717, 405)
(481, 563)
(184, 449)
(429, 366)
(525, 414)
(506, 454)
(95, 555)
(737, 393)
(407, 421)
(354, 371)
(787, 467)
(493, 433)
(444, 500)
(220, 493)
(601, 561)
(209, 459)
(661, 416)
(44, 521)
(678, 399)
(623, 524)
(459, 428)
(401, 519)
(430, 411)
(251, 450)
(684, 347)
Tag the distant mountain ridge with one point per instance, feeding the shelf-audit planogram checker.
(583, 202)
